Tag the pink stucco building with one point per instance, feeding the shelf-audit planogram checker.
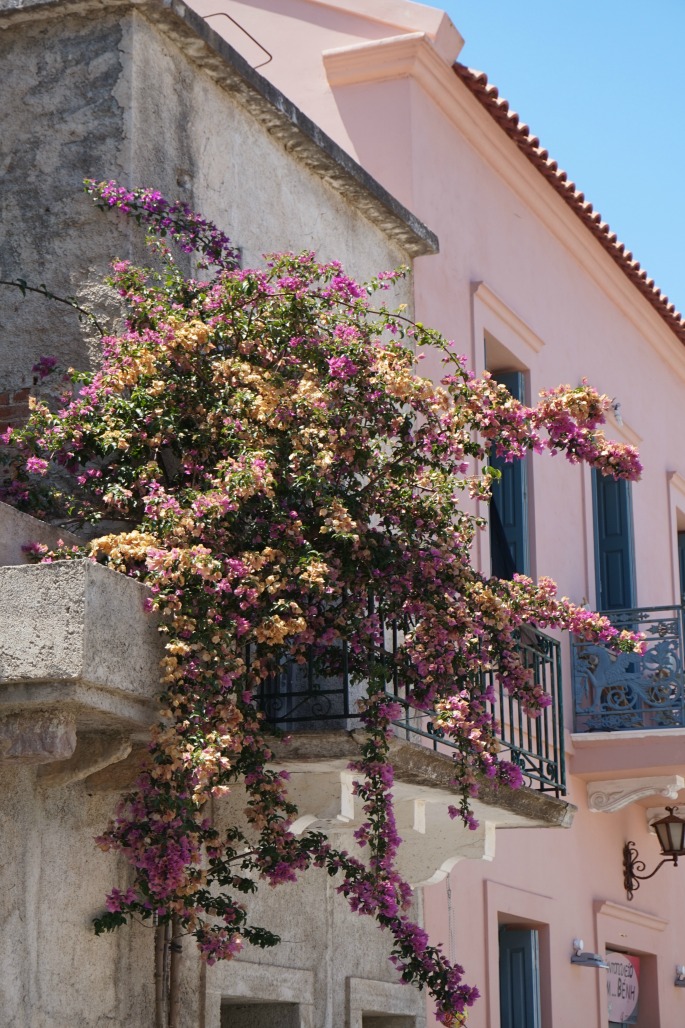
(534, 287)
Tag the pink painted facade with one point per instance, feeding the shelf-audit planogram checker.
(522, 283)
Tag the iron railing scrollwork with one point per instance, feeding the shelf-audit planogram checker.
(302, 697)
(627, 691)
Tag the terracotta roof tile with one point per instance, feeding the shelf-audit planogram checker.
(519, 132)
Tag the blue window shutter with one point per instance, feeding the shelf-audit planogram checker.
(509, 538)
(614, 558)
(519, 978)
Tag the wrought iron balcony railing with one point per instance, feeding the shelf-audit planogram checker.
(299, 698)
(620, 692)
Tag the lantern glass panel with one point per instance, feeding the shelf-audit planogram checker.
(671, 834)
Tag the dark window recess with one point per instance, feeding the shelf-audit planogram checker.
(614, 557)
(260, 1015)
(509, 505)
(388, 1021)
(503, 564)
(519, 978)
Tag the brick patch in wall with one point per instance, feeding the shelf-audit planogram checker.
(14, 407)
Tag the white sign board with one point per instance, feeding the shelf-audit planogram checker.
(623, 987)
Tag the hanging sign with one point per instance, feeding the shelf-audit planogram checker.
(623, 987)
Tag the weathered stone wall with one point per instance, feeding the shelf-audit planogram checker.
(106, 93)
(113, 96)
(191, 137)
(325, 948)
(61, 119)
(55, 973)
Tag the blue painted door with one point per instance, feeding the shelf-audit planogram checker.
(509, 504)
(519, 978)
(614, 558)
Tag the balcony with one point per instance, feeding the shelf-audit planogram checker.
(79, 668)
(79, 675)
(619, 692)
(301, 699)
(317, 707)
(629, 709)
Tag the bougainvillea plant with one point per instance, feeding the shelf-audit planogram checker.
(277, 459)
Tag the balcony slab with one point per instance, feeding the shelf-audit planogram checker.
(642, 752)
(423, 768)
(75, 638)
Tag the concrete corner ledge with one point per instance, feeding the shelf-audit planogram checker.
(75, 637)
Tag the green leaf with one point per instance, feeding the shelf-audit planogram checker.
(108, 922)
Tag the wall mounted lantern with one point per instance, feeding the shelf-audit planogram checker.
(670, 832)
(585, 958)
(680, 976)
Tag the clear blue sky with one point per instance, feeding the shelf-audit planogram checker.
(602, 83)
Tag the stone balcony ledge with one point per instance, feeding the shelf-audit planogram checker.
(423, 768)
(76, 641)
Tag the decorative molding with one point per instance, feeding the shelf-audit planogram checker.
(676, 481)
(244, 979)
(612, 795)
(502, 901)
(391, 58)
(501, 310)
(368, 994)
(630, 914)
(676, 505)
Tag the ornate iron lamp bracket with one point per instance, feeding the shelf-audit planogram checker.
(631, 865)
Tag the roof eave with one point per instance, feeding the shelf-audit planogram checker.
(488, 96)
